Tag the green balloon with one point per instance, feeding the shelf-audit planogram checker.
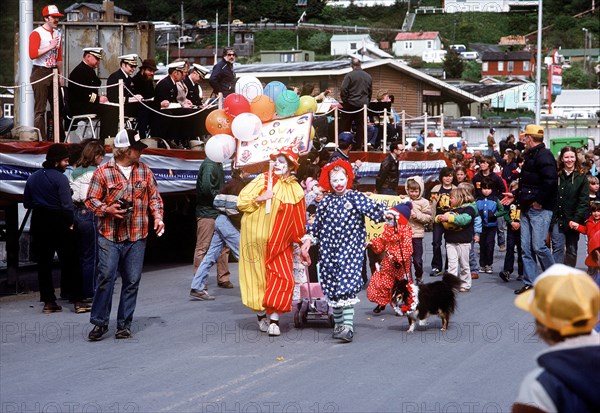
(286, 104)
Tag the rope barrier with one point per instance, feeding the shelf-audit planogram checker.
(25, 84)
(187, 115)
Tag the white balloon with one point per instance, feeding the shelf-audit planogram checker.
(246, 127)
(220, 147)
(249, 86)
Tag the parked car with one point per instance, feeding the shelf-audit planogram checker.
(552, 120)
(237, 22)
(165, 26)
(186, 39)
(521, 122)
(466, 122)
(202, 24)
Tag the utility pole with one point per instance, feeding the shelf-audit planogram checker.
(538, 65)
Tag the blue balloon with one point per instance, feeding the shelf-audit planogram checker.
(274, 89)
(287, 103)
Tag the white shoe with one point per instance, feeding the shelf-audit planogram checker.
(263, 324)
(274, 329)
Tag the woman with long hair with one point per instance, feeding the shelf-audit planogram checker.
(86, 222)
(572, 205)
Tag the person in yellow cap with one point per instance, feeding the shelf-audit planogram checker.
(564, 302)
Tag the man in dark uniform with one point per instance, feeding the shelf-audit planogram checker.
(196, 124)
(168, 100)
(143, 84)
(222, 77)
(83, 94)
(127, 67)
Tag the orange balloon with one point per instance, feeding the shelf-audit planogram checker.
(263, 107)
(218, 122)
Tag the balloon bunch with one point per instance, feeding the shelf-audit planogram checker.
(245, 110)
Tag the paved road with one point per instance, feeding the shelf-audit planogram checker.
(189, 356)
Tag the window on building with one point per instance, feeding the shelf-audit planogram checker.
(429, 44)
(287, 58)
(484, 67)
(524, 96)
(526, 67)
(352, 46)
(8, 110)
(501, 66)
(119, 17)
(93, 16)
(408, 45)
(511, 66)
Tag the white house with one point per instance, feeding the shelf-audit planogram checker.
(415, 43)
(360, 3)
(503, 96)
(582, 100)
(347, 44)
(486, 6)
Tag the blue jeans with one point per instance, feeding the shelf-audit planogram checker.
(534, 229)
(473, 262)
(87, 240)
(501, 231)
(564, 246)
(417, 257)
(126, 258)
(225, 234)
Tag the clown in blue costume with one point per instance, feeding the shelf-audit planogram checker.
(339, 229)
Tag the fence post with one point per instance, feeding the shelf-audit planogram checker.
(55, 107)
(336, 124)
(425, 133)
(365, 118)
(385, 122)
(121, 106)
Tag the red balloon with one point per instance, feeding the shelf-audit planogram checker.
(235, 104)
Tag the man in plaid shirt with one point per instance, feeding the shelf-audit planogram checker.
(120, 193)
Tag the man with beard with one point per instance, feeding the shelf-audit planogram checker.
(48, 194)
(143, 84)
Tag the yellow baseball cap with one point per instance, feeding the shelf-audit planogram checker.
(564, 299)
(534, 130)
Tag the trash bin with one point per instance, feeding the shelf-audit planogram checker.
(556, 144)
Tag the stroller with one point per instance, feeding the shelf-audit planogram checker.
(311, 305)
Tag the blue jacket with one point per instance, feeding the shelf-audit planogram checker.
(489, 210)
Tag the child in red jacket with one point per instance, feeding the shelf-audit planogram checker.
(591, 227)
(396, 242)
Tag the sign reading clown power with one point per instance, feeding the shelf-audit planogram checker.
(276, 134)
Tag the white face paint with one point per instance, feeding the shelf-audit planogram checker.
(280, 167)
(338, 181)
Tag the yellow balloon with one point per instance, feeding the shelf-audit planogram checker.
(312, 132)
(307, 104)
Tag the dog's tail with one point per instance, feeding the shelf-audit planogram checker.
(451, 281)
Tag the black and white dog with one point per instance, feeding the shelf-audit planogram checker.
(419, 302)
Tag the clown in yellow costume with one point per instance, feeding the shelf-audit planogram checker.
(266, 240)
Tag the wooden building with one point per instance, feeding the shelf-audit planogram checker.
(414, 91)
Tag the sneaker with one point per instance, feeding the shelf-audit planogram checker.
(338, 329)
(502, 248)
(523, 289)
(343, 333)
(505, 275)
(482, 268)
(225, 284)
(474, 275)
(97, 333)
(435, 272)
(123, 333)
(274, 329)
(489, 270)
(200, 295)
(263, 324)
(81, 308)
(51, 307)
